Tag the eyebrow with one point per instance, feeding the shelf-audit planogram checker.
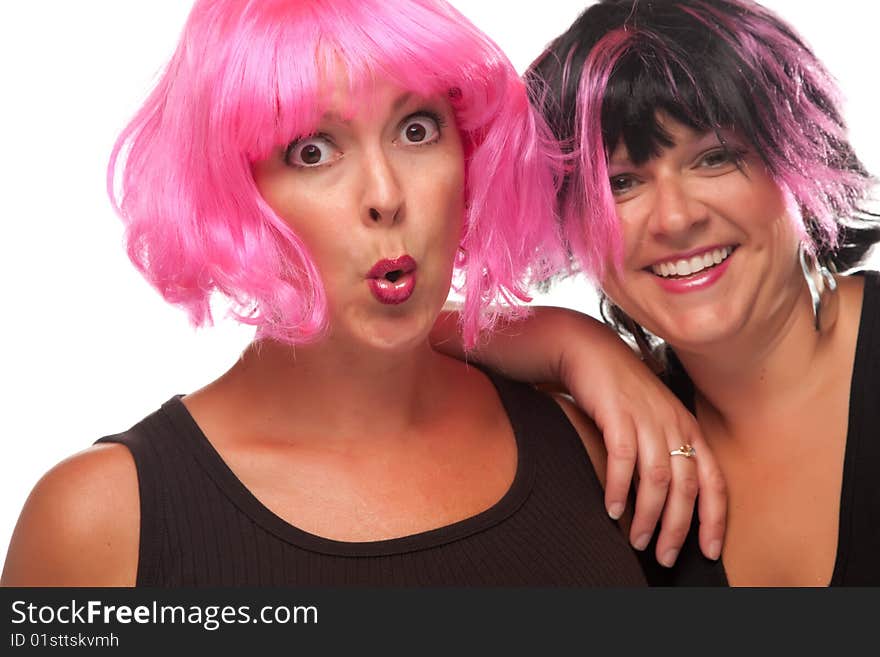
(620, 160)
(399, 102)
(708, 137)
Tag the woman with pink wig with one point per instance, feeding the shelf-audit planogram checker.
(330, 167)
(714, 195)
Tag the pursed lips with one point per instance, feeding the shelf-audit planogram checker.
(404, 264)
(392, 280)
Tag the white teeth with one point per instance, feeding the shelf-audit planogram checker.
(693, 265)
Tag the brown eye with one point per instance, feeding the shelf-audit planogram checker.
(420, 129)
(622, 183)
(416, 132)
(721, 158)
(716, 158)
(311, 152)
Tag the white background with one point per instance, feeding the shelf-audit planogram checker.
(89, 347)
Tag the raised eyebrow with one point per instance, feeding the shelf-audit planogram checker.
(715, 138)
(400, 101)
(619, 165)
(335, 117)
(620, 158)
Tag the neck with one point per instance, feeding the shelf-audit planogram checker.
(747, 385)
(333, 391)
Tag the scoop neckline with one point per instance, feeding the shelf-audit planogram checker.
(847, 485)
(241, 496)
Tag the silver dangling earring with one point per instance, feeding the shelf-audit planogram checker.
(823, 289)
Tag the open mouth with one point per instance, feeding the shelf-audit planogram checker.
(392, 281)
(392, 269)
(685, 267)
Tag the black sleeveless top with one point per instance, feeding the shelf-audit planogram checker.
(858, 542)
(200, 526)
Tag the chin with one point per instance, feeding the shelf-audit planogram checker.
(700, 330)
(395, 334)
(366, 324)
(396, 343)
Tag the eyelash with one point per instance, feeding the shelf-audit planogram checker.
(732, 154)
(628, 177)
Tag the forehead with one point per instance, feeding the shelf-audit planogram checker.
(341, 98)
(676, 135)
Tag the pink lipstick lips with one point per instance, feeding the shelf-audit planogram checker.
(693, 271)
(392, 281)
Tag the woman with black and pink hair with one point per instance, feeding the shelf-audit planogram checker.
(714, 196)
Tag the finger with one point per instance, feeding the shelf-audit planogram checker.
(712, 500)
(621, 446)
(679, 510)
(655, 474)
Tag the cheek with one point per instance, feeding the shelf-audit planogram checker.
(454, 205)
(311, 211)
(632, 221)
(450, 179)
(755, 200)
(634, 293)
(615, 288)
(447, 184)
(441, 190)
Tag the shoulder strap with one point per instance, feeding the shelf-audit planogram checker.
(143, 441)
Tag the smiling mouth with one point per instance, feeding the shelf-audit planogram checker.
(685, 267)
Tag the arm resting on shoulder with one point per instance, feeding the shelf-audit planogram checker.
(639, 418)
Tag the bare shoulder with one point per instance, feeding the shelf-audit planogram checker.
(80, 525)
(588, 432)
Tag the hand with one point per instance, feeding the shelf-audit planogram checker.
(641, 422)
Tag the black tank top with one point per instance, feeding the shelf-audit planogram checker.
(858, 542)
(200, 526)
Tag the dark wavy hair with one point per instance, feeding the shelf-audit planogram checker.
(711, 65)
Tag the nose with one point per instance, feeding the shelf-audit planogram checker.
(675, 211)
(383, 196)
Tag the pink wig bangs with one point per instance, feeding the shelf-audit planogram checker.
(250, 75)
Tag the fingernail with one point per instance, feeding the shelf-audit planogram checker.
(669, 558)
(642, 542)
(714, 550)
(615, 510)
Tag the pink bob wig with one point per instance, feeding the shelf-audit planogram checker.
(247, 76)
(712, 65)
